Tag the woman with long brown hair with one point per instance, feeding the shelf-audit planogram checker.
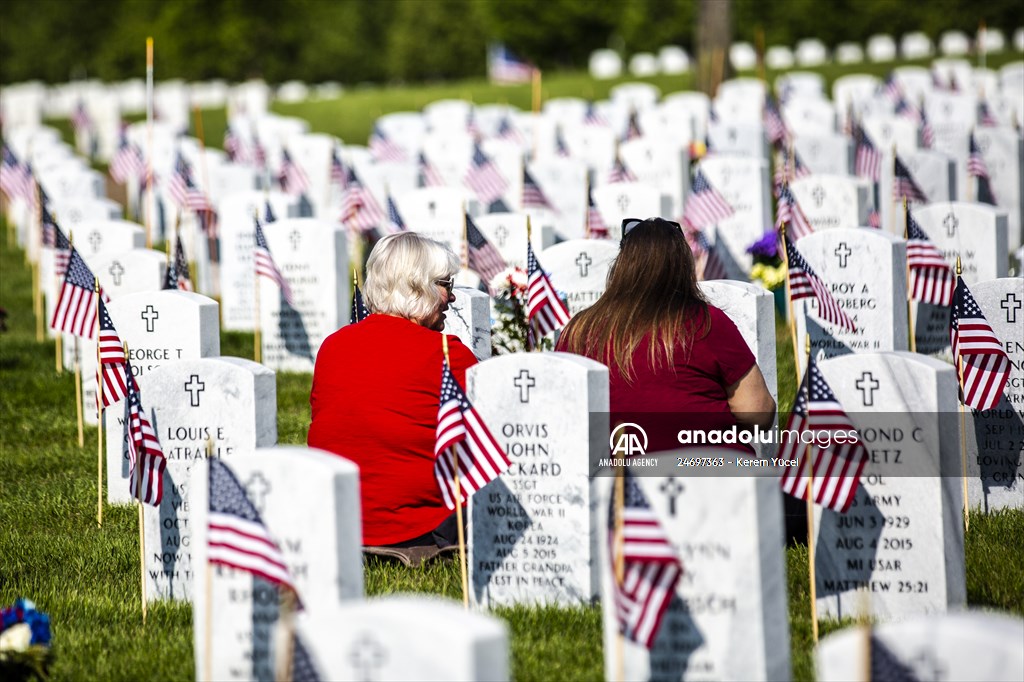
(666, 348)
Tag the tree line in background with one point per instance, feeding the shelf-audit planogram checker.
(357, 41)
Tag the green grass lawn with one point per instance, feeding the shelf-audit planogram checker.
(87, 578)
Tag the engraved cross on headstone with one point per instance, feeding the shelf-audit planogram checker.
(842, 252)
(1011, 305)
(867, 385)
(194, 386)
(623, 202)
(818, 193)
(366, 656)
(671, 487)
(583, 261)
(501, 234)
(951, 222)
(150, 315)
(95, 239)
(524, 382)
(257, 488)
(116, 270)
(295, 238)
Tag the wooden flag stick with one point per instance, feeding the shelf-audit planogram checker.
(150, 198)
(99, 414)
(257, 352)
(78, 394)
(619, 565)
(287, 606)
(809, 462)
(963, 423)
(458, 506)
(536, 92)
(865, 629)
(910, 304)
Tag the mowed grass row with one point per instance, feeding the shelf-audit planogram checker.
(87, 578)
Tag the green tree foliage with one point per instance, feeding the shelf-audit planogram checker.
(354, 41)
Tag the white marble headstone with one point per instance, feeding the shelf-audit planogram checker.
(469, 318)
(579, 268)
(831, 201)
(743, 183)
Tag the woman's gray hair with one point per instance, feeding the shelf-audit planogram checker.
(400, 275)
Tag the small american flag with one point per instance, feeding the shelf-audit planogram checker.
(112, 360)
(704, 205)
(543, 306)
(592, 118)
(652, 567)
(788, 167)
(596, 226)
(508, 131)
(874, 218)
(236, 535)
(359, 208)
(505, 68)
(774, 125)
(805, 283)
(127, 163)
(339, 176)
(183, 189)
(61, 251)
(429, 175)
(788, 211)
(80, 120)
(178, 275)
(903, 184)
(868, 161)
(359, 310)
(714, 268)
(632, 131)
(482, 257)
(268, 214)
(931, 278)
(394, 221)
(985, 116)
(927, 132)
(484, 178)
(463, 434)
(383, 149)
(145, 456)
(235, 147)
(982, 364)
(259, 154)
(266, 267)
(292, 178)
(75, 312)
(977, 168)
(303, 666)
(620, 172)
(533, 195)
(561, 148)
(16, 177)
(836, 466)
(47, 223)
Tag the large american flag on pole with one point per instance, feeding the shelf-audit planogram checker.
(652, 567)
(484, 178)
(836, 466)
(704, 205)
(903, 184)
(805, 283)
(977, 168)
(482, 257)
(266, 267)
(462, 434)
(543, 306)
(931, 278)
(788, 211)
(112, 360)
(236, 535)
(75, 312)
(146, 459)
(982, 365)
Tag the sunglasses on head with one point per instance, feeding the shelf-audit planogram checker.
(629, 223)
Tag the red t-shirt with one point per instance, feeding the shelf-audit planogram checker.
(375, 396)
(694, 392)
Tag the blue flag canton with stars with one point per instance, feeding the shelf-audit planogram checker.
(183, 169)
(700, 183)
(964, 304)
(227, 496)
(393, 215)
(268, 214)
(914, 231)
(261, 239)
(474, 236)
(820, 390)
(106, 324)
(450, 389)
(79, 273)
(796, 260)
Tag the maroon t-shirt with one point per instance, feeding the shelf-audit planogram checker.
(374, 401)
(693, 390)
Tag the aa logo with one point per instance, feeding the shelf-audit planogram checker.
(627, 440)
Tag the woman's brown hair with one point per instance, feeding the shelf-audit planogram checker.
(651, 292)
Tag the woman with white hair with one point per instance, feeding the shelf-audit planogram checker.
(376, 386)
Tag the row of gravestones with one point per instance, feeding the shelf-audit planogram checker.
(532, 534)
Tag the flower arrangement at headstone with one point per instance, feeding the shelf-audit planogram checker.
(767, 268)
(509, 326)
(24, 642)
